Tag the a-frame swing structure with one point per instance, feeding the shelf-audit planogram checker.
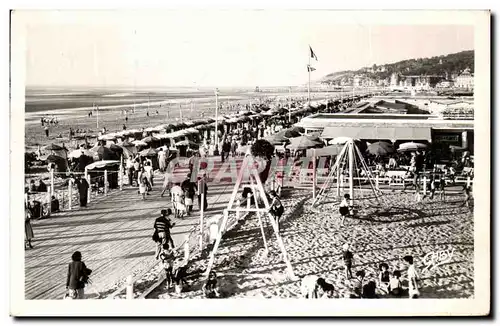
(350, 157)
(262, 213)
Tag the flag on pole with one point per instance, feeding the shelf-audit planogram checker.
(310, 68)
(313, 55)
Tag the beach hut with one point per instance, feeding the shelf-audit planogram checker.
(96, 172)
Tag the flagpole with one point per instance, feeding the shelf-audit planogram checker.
(309, 81)
(216, 150)
(97, 112)
(180, 111)
(289, 107)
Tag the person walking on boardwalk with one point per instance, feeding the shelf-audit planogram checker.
(28, 229)
(161, 233)
(83, 188)
(78, 276)
(202, 190)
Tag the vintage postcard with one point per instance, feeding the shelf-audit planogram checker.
(286, 162)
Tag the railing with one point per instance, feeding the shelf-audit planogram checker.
(65, 191)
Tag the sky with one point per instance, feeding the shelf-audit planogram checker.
(219, 48)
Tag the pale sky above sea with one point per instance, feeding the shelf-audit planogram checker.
(218, 48)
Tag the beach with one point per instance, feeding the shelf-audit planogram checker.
(314, 239)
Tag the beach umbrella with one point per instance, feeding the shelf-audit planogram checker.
(79, 152)
(103, 153)
(52, 147)
(411, 147)
(276, 139)
(116, 148)
(302, 142)
(288, 133)
(380, 148)
(103, 164)
(60, 162)
(187, 142)
(126, 144)
(300, 129)
(149, 139)
(148, 152)
(139, 143)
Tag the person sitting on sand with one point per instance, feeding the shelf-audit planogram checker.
(412, 278)
(276, 207)
(210, 288)
(369, 290)
(347, 258)
(180, 274)
(384, 277)
(356, 285)
(54, 205)
(311, 285)
(395, 288)
(344, 208)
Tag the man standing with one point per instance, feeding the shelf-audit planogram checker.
(130, 170)
(202, 190)
(162, 228)
(83, 188)
(162, 160)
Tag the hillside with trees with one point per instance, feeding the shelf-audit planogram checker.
(450, 64)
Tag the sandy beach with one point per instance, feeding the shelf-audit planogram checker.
(377, 234)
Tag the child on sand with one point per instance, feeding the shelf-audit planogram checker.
(167, 259)
(311, 284)
(344, 208)
(347, 257)
(412, 278)
(356, 285)
(210, 289)
(384, 277)
(395, 287)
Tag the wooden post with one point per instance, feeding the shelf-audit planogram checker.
(202, 223)
(351, 171)
(377, 177)
(425, 185)
(248, 199)
(49, 195)
(121, 176)
(314, 174)
(130, 288)
(87, 176)
(51, 182)
(105, 182)
(468, 181)
(339, 179)
(70, 193)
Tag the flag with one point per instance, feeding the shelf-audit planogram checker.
(310, 68)
(313, 55)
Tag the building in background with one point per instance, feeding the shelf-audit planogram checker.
(465, 80)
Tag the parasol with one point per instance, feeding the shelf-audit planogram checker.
(411, 147)
(302, 142)
(52, 147)
(149, 139)
(186, 142)
(139, 143)
(380, 148)
(79, 152)
(148, 152)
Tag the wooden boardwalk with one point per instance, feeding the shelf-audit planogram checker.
(114, 236)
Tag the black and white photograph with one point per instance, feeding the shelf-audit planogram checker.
(311, 156)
